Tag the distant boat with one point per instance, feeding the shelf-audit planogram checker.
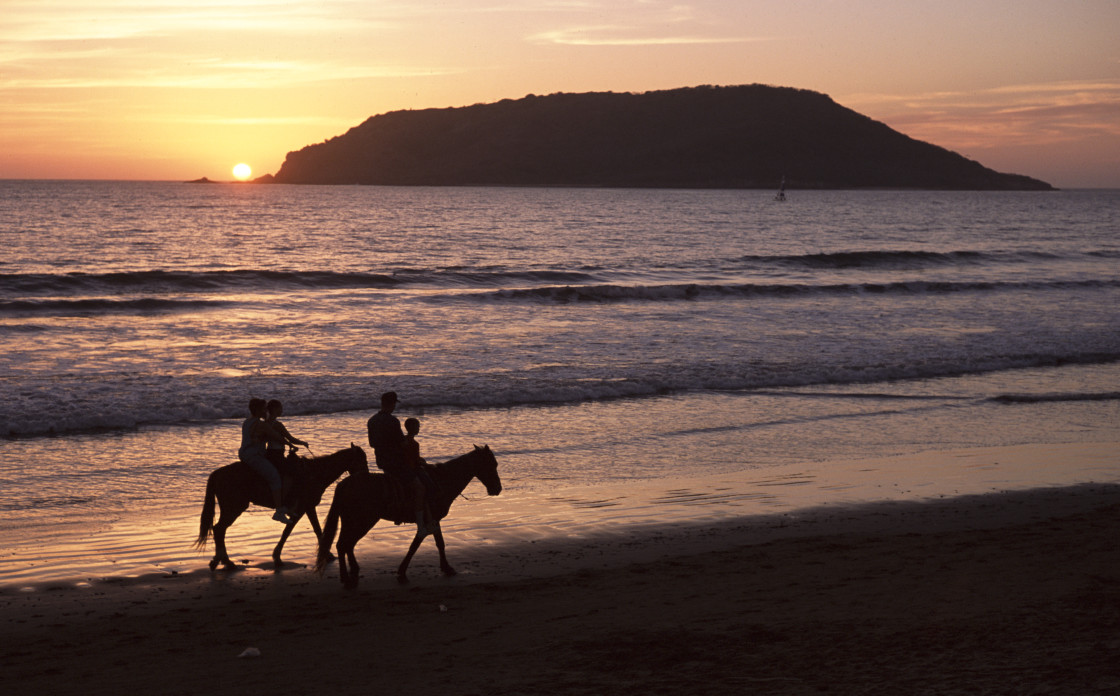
(781, 191)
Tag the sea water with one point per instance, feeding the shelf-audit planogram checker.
(599, 340)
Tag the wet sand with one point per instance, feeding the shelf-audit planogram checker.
(1005, 593)
(159, 540)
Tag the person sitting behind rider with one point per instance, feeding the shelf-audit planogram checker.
(413, 461)
(252, 453)
(277, 437)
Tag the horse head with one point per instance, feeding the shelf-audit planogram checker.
(359, 464)
(487, 470)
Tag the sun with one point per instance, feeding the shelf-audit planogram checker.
(242, 171)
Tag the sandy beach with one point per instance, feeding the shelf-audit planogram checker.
(1006, 593)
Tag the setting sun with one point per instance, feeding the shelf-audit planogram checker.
(242, 171)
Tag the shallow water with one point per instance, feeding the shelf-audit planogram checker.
(574, 471)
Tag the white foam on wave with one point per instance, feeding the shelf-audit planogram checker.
(106, 404)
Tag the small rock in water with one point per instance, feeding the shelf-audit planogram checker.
(250, 652)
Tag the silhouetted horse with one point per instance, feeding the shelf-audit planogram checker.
(360, 501)
(236, 485)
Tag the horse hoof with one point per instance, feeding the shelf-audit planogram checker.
(402, 579)
(214, 564)
(449, 571)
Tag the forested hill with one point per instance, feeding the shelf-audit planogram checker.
(719, 137)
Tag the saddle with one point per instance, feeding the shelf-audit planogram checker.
(399, 501)
(293, 475)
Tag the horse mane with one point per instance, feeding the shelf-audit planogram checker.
(324, 462)
(463, 457)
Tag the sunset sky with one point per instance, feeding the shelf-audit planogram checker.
(178, 89)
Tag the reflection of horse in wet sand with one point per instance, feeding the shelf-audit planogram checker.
(236, 485)
(360, 501)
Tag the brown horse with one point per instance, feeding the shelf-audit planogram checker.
(236, 485)
(360, 501)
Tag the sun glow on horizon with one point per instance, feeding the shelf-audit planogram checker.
(242, 171)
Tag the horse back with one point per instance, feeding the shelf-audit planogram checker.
(236, 474)
(376, 496)
(238, 482)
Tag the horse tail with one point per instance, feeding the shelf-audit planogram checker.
(206, 522)
(330, 528)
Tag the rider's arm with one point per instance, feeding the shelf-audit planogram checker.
(282, 430)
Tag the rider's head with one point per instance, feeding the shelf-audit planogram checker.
(411, 426)
(388, 401)
(257, 407)
(275, 408)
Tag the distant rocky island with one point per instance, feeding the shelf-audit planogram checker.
(751, 136)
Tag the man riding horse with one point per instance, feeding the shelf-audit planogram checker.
(388, 442)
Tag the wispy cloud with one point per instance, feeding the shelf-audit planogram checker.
(81, 20)
(216, 74)
(632, 36)
(210, 44)
(263, 44)
(640, 23)
(1031, 114)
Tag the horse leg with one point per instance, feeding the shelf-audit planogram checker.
(348, 537)
(313, 517)
(224, 521)
(402, 571)
(443, 564)
(292, 522)
(351, 582)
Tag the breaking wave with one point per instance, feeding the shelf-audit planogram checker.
(694, 291)
(156, 282)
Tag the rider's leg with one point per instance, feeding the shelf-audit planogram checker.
(276, 458)
(281, 514)
(262, 466)
(421, 506)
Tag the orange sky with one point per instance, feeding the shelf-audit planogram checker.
(171, 89)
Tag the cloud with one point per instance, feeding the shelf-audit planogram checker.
(641, 23)
(630, 36)
(1031, 114)
(218, 120)
(81, 20)
(57, 45)
(211, 73)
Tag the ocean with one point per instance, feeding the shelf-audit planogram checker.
(629, 355)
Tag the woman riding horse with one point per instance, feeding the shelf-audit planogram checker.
(234, 487)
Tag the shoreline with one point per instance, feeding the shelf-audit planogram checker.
(158, 543)
(509, 560)
(982, 594)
